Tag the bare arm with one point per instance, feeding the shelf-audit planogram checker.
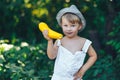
(92, 58)
(51, 47)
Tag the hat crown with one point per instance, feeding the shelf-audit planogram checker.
(73, 7)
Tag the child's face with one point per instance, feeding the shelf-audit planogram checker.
(70, 29)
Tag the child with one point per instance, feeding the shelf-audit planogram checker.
(70, 51)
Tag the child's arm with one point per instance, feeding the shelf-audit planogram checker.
(92, 58)
(51, 48)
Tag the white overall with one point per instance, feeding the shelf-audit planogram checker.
(67, 63)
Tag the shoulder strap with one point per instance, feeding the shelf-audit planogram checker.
(86, 45)
(58, 42)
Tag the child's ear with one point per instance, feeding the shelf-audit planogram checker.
(80, 26)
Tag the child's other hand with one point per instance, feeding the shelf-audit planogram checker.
(78, 75)
(45, 34)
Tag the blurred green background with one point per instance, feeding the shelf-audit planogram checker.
(23, 48)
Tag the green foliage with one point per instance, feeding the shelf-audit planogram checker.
(115, 33)
(25, 62)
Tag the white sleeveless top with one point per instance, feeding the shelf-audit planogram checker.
(67, 63)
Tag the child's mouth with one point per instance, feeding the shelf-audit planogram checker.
(69, 33)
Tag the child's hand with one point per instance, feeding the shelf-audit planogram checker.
(45, 34)
(78, 75)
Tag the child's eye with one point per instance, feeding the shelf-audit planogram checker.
(65, 25)
(73, 26)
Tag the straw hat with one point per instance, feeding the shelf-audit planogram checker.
(72, 9)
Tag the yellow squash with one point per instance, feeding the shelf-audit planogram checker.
(51, 33)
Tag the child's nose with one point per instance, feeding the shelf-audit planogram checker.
(69, 28)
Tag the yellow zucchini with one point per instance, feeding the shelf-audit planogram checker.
(51, 33)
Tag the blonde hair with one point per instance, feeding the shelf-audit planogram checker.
(72, 18)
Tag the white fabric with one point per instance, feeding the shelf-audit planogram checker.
(67, 63)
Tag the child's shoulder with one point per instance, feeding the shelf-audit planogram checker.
(83, 39)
